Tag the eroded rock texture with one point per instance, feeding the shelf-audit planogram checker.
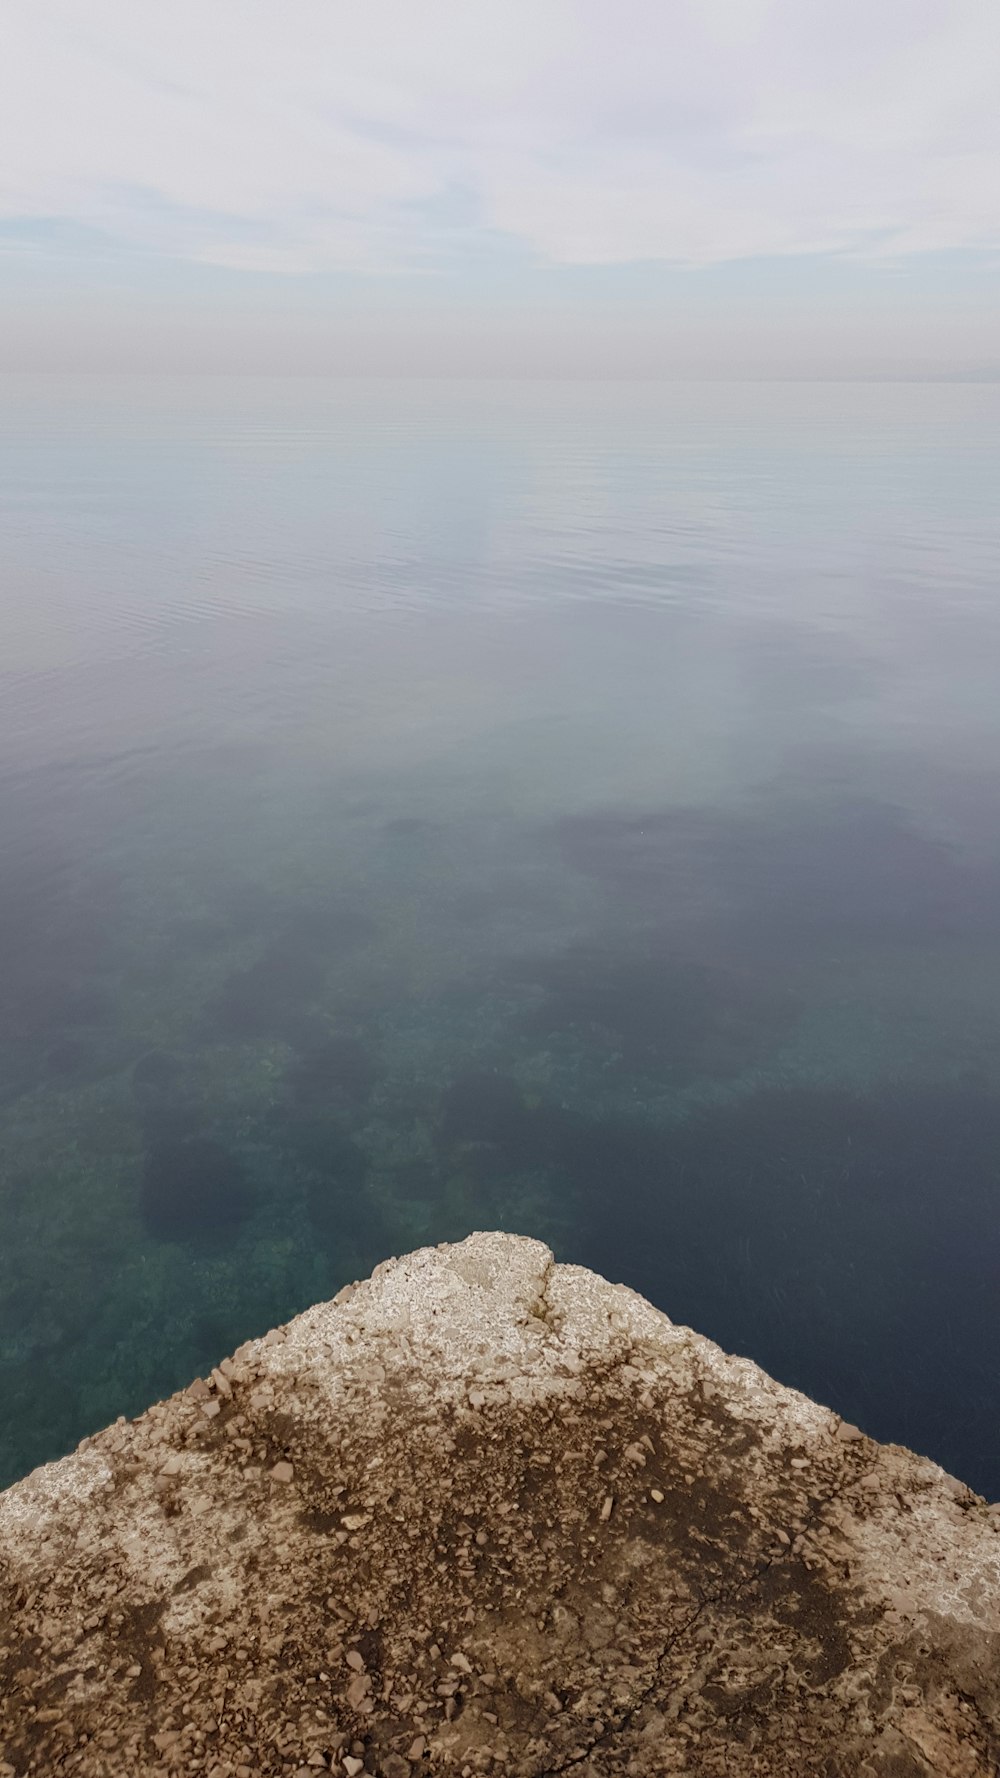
(484, 1513)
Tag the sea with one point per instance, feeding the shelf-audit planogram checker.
(569, 808)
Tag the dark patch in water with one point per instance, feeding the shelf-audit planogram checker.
(657, 1007)
(59, 920)
(336, 1071)
(407, 827)
(503, 896)
(67, 1060)
(480, 1106)
(654, 1009)
(786, 872)
(157, 1072)
(417, 1182)
(336, 926)
(199, 933)
(848, 1242)
(192, 1187)
(338, 1205)
(319, 1143)
(258, 1001)
(87, 1006)
(269, 997)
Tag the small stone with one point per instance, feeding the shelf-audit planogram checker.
(416, 1748)
(462, 1662)
(355, 1521)
(198, 1390)
(800, 1463)
(211, 1408)
(282, 1472)
(848, 1433)
(355, 1659)
(476, 1398)
(317, 1759)
(222, 1383)
(172, 1466)
(352, 1766)
(657, 1495)
(134, 1671)
(607, 1508)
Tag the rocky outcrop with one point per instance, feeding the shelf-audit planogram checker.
(485, 1513)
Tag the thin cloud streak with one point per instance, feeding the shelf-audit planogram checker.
(389, 137)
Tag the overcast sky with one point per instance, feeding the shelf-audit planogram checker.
(617, 185)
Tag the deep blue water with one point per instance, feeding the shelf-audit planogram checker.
(568, 808)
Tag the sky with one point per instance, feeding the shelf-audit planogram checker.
(539, 187)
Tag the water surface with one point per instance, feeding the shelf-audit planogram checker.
(566, 808)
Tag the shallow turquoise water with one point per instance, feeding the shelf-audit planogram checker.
(568, 808)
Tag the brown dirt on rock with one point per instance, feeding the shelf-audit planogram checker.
(442, 1588)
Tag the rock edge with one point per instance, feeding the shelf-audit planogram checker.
(488, 1514)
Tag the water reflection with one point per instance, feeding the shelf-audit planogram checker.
(611, 853)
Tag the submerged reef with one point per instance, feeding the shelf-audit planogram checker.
(489, 1514)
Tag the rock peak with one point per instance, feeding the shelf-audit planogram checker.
(484, 1513)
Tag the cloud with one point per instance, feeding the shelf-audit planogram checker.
(317, 135)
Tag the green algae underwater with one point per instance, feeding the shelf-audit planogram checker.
(569, 810)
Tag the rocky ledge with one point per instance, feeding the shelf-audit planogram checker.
(485, 1513)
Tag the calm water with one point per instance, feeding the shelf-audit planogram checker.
(573, 809)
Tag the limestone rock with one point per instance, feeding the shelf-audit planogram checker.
(391, 1548)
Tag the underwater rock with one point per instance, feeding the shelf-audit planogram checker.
(192, 1187)
(333, 1071)
(488, 1514)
